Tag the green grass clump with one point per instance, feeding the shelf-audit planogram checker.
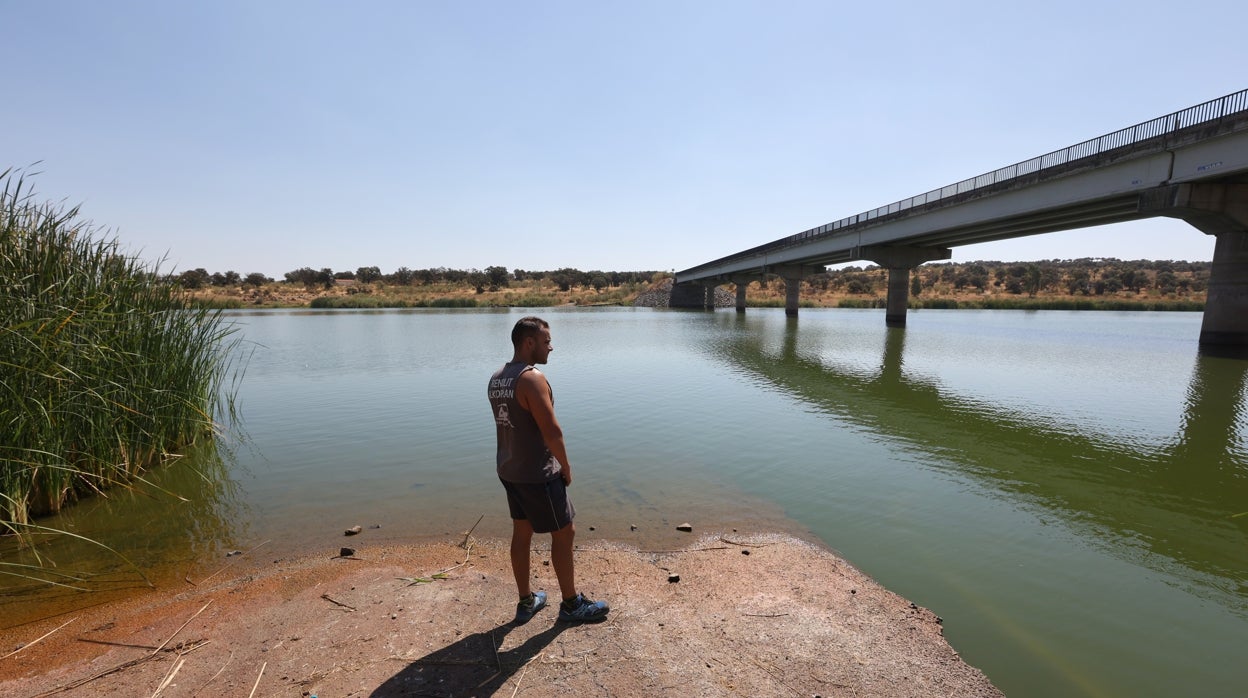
(531, 300)
(862, 303)
(104, 369)
(359, 300)
(448, 303)
(216, 303)
(935, 303)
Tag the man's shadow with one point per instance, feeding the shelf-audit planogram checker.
(471, 666)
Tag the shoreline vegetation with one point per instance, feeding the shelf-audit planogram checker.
(106, 371)
(1079, 284)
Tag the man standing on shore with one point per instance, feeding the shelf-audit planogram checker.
(533, 466)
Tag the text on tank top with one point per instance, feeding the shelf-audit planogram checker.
(522, 453)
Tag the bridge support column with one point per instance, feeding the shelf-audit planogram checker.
(793, 275)
(708, 299)
(1220, 209)
(898, 296)
(792, 294)
(741, 296)
(1225, 323)
(899, 261)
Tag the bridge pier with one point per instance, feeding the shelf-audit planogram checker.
(898, 296)
(1220, 209)
(1225, 323)
(793, 275)
(792, 295)
(899, 261)
(743, 282)
(708, 295)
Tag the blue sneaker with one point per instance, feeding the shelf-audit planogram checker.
(527, 607)
(581, 610)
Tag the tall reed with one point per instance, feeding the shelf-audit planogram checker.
(104, 369)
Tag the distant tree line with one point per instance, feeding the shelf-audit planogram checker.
(491, 278)
(1075, 277)
(200, 278)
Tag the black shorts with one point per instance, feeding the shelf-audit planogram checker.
(544, 504)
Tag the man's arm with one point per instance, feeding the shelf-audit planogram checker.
(533, 393)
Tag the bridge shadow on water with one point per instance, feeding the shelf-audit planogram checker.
(1182, 499)
(471, 666)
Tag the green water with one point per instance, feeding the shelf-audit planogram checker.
(1060, 487)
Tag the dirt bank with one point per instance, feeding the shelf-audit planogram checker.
(749, 616)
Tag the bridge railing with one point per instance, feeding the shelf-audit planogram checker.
(1204, 114)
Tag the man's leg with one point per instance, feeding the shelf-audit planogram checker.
(521, 543)
(561, 559)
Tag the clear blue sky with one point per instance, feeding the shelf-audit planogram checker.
(263, 135)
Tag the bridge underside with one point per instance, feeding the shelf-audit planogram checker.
(1191, 165)
(1218, 208)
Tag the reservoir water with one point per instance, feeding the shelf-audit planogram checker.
(1068, 490)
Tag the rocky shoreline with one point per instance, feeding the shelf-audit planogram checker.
(660, 296)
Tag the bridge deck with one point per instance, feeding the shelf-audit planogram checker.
(1121, 176)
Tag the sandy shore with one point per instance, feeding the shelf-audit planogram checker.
(749, 616)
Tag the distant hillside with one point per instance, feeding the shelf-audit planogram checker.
(1070, 283)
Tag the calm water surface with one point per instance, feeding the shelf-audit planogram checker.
(1062, 488)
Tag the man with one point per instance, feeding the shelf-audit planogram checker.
(533, 467)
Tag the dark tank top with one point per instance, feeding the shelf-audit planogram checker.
(522, 454)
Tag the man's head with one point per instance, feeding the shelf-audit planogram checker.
(531, 339)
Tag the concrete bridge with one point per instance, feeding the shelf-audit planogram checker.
(1192, 165)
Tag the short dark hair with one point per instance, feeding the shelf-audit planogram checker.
(527, 327)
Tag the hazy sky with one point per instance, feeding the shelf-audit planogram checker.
(266, 136)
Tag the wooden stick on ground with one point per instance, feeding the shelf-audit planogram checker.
(214, 676)
(175, 633)
(337, 603)
(253, 688)
(469, 533)
(169, 677)
(31, 643)
(124, 665)
(522, 673)
(745, 545)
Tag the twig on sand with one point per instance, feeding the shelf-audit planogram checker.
(124, 665)
(173, 671)
(257, 684)
(775, 675)
(686, 550)
(413, 581)
(522, 673)
(468, 535)
(175, 633)
(33, 642)
(229, 564)
(337, 603)
(443, 574)
(497, 662)
(214, 676)
(745, 545)
(764, 615)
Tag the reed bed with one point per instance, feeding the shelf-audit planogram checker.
(105, 371)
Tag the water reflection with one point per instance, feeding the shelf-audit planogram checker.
(192, 516)
(1160, 507)
(1213, 415)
